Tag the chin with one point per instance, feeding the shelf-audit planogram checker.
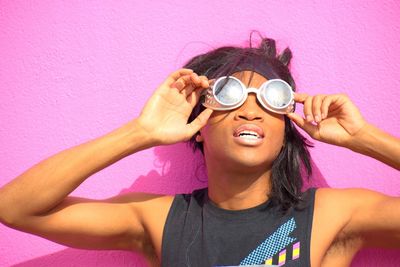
(250, 160)
(242, 158)
(253, 163)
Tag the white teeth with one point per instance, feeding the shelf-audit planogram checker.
(249, 134)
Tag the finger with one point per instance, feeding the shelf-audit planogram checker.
(173, 77)
(187, 83)
(300, 97)
(316, 107)
(184, 81)
(179, 73)
(307, 109)
(334, 103)
(199, 122)
(204, 81)
(311, 129)
(325, 106)
(195, 78)
(196, 82)
(180, 83)
(195, 96)
(192, 79)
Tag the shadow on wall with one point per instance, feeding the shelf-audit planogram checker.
(176, 170)
(179, 170)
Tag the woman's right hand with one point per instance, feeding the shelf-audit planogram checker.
(165, 115)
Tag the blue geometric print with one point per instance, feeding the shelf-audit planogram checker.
(272, 245)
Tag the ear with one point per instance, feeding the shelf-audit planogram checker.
(199, 138)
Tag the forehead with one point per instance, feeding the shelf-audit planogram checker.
(250, 78)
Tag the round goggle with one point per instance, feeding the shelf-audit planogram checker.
(229, 92)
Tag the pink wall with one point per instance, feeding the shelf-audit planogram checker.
(71, 71)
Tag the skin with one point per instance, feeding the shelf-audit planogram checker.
(345, 220)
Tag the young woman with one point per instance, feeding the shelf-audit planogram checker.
(236, 106)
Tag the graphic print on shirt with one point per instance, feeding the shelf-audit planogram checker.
(278, 248)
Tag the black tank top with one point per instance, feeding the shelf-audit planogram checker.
(198, 233)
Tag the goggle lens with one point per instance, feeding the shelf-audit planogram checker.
(228, 91)
(277, 94)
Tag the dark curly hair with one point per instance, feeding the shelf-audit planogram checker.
(286, 179)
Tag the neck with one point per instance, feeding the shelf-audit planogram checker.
(238, 188)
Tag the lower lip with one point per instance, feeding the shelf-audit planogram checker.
(248, 141)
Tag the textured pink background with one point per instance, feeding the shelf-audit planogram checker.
(71, 71)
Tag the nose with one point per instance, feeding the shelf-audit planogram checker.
(250, 110)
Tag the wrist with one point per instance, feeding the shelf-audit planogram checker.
(135, 137)
(372, 141)
(360, 141)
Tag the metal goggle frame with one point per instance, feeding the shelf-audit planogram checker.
(228, 93)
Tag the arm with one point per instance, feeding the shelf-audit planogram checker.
(370, 217)
(338, 121)
(375, 143)
(37, 201)
(373, 216)
(42, 187)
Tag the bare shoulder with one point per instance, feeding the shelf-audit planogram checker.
(336, 208)
(143, 201)
(331, 214)
(332, 211)
(334, 205)
(337, 196)
(344, 206)
(152, 211)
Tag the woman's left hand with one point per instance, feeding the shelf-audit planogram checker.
(332, 119)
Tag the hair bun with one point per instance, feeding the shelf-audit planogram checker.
(285, 56)
(268, 47)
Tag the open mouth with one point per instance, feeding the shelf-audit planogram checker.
(249, 135)
(249, 130)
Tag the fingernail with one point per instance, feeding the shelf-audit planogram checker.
(316, 118)
(323, 115)
(309, 118)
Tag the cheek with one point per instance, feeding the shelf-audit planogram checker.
(210, 134)
(214, 127)
(276, 136)
(276, 143)
(218, 117)
(278, 131)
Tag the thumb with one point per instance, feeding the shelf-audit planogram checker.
(309, 128)
(199, 122)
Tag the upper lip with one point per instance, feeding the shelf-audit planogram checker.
(249, 127)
